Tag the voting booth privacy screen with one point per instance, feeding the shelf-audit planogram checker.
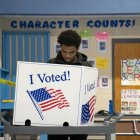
(52, 94)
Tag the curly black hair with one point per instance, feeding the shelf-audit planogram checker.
(69, 38)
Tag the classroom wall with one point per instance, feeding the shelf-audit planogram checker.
(121, 30)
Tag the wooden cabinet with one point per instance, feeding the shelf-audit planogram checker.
(128, 130)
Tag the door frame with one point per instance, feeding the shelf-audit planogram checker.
(114, 41)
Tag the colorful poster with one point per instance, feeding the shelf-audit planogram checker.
(102, 38)
(130, 72)
(130, 101)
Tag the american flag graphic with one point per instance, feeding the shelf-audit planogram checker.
(45, 99)
(87, 113)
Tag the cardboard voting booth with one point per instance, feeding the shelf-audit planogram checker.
(52, 94)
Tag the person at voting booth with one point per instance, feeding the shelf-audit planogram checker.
(69, 41)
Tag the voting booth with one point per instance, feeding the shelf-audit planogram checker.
(54, 94)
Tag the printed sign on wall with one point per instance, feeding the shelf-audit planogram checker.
(130, 72)
(130, 101)
(47, 92)
(101, 63)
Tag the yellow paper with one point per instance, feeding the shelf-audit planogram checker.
(101, 63)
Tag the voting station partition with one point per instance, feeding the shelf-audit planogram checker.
(47, 92)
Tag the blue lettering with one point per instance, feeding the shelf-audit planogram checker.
(38, 24)
(57, 78)
(98, 23)
(121, 23)
(113, 23)
(63, 77)
(41, 79)
(105, 23)
(75, 24)
(30, 24)
(48, 79)
(67, 24)
(45, 24)
(53, 24)
(90, 24)
(52, 78)
(128, 23)
(133, 23)
(14, 24)
(31, 79)
(89, 87)
(60, 24)
(137, 62)
(22, 24)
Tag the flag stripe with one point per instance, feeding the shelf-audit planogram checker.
(92, 103)
(50, 107)
(46, 99)
(88, 111)
(49, 104)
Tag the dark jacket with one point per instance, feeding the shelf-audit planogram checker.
(81, 60)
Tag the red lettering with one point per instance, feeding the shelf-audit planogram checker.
(129, 69)
(137, 76)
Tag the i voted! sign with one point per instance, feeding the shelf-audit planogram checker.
(47, 92)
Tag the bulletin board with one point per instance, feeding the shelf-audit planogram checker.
(96, 32)
(127, 76)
